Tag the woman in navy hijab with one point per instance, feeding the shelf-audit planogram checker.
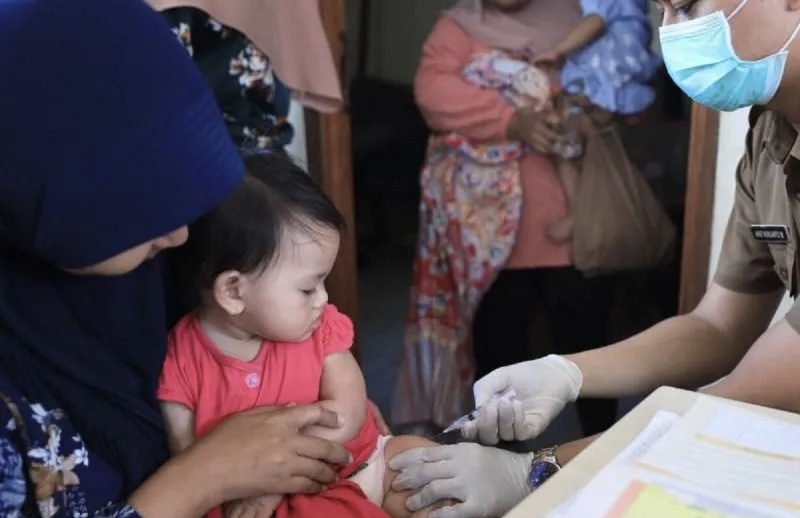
(110, 144)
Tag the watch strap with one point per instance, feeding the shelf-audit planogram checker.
(543, 466)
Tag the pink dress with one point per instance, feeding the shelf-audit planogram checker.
(196, 374)
(477, 216)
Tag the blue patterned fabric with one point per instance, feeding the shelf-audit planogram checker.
(616, 67)
(252, 98)
(42, 455)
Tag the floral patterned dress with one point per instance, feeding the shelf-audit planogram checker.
(46, 470)
(469, 215)
(252, 99)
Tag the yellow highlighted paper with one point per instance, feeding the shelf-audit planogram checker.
(642, 500)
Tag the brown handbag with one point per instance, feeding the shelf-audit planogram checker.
(619, 223)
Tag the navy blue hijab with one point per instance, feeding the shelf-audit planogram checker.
(109, 138)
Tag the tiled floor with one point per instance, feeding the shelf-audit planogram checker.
(383, 292)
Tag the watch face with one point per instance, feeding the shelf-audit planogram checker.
(540, 472)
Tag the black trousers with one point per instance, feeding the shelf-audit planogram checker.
(577, 312)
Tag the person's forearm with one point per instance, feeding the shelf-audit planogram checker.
(684, 351)
(174, 491)
(586, 32)
(767, 375)
(568, 451)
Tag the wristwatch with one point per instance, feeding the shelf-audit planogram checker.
(543, 466)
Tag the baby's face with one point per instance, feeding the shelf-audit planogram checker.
(284, 302)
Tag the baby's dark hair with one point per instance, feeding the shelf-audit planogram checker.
(244, 232)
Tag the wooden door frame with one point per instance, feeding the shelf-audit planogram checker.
(330, 157)
(701, 174)
(329, 160)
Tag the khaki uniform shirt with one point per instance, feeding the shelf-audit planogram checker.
(759, 251)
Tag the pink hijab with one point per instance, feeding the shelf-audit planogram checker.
(535, 28)
(290, 33)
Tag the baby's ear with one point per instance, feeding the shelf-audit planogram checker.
(227, 290)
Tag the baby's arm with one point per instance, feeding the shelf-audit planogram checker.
(588, 30)
(179, 420)
(342, 391)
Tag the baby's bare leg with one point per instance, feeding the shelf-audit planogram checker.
(394, 502)
(568, 172)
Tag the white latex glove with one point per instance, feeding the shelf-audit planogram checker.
(488, 481)
(543, 387)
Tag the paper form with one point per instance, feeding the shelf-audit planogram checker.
(628, 492)
(737, 428)
(716, 461)
(656, 429)
(734, 451)
(642, 500)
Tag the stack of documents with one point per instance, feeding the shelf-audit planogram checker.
(716, 461)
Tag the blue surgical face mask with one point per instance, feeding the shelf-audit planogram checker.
(699, 57)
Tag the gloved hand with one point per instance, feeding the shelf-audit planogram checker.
(543, 387)
(488, 481)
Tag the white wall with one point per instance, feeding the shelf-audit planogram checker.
(655, 22)
(297, 149)
(732, 132)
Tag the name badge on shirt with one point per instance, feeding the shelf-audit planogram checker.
(773, 234)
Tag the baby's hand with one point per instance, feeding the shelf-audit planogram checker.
(551, 58)
(261, 507)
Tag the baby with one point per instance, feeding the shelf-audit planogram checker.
(265, 334)
(607, 65)
(607, 57)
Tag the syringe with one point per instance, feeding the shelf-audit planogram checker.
(506, 395)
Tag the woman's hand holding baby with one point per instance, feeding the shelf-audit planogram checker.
(537, 129)
(251, 454)
(279, 458)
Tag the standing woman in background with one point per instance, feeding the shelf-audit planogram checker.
(533, 274)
